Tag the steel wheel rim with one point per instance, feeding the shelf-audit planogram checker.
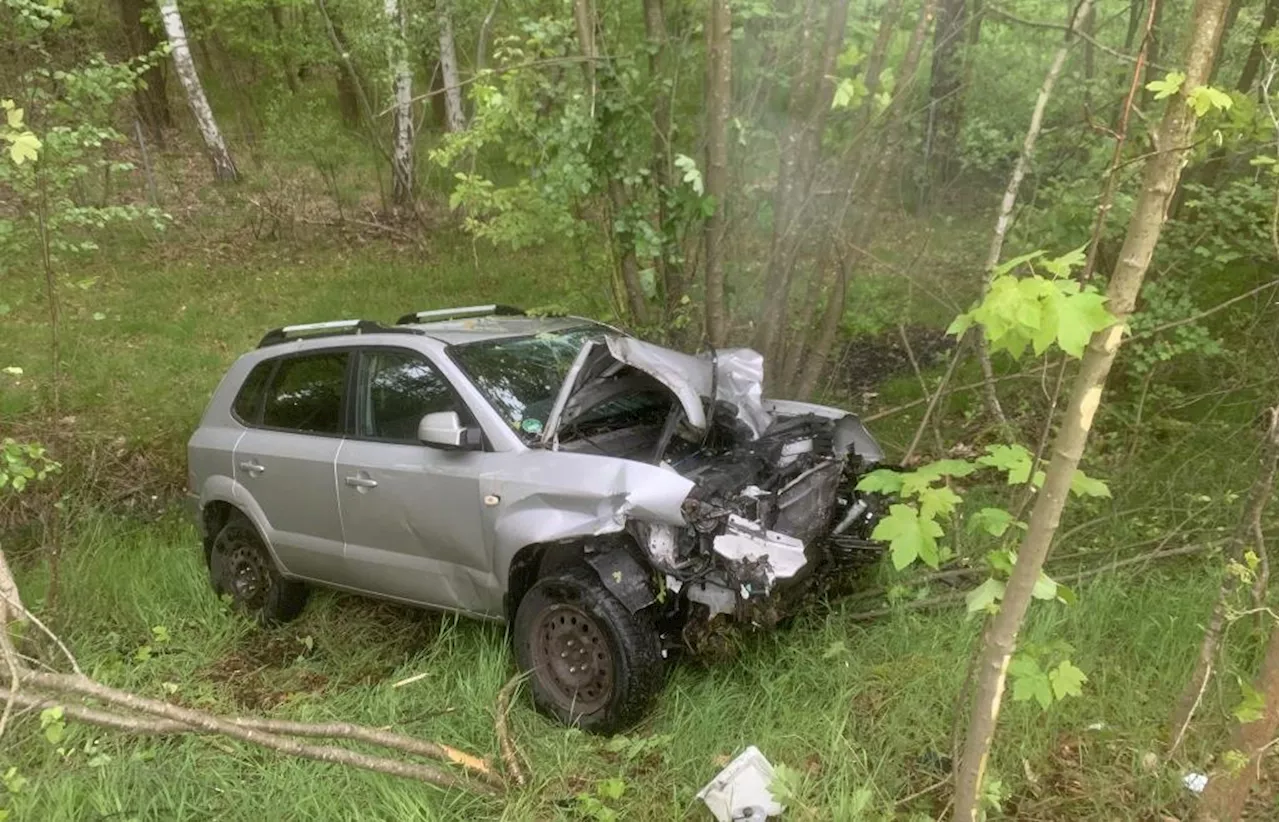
(572, 659)
(249, 579)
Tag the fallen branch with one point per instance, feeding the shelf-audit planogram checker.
(242, 730)
(907, 406)
(506, 744)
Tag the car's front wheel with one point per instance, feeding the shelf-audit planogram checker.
(592, 663)
(241, 568)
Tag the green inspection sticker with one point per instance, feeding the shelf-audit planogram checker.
(531, 425)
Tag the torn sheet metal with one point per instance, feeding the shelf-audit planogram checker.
(741, 790)
(739, 374)
(744, 540)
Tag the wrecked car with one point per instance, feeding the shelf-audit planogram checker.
(612, 500)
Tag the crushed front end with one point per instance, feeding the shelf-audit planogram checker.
(770, 520)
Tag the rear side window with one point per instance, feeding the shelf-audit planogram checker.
(306, 394)
(248, 405)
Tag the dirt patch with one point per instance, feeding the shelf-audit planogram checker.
(868, 361)
(263, 672)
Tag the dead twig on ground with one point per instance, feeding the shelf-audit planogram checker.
(506, 744)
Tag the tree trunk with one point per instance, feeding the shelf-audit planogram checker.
(875, 58)
(150, 95)
(455, 117)
(1227, 792)
(815, 364)
(946, 96)
(402, 101)
(1159, 180)
(224, 170)
(348, 96)
(1254, 61)
(1155, 41)
(1135, 18)
(584, 18)
(482, 39)
(1005, 216)
(625, 243)
(1089, 26)
(655, 30)
(1249, 530)
(716, 175)
(812, 88)
(286, 65)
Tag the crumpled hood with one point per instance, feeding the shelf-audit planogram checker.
(736, 376)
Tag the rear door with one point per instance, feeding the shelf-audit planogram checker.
(411, 513)
(284, 463)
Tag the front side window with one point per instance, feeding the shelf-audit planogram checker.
(306, 394)
(396, 389)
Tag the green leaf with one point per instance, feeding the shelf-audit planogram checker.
(689, 172)
(995, 521)
(1067, 680)
(24, 146)
(1062, 266)
(1168, 86)
(1083, 485)
(1009, 265)
(1079, 316)
(1045, 588)
(1205, 98)
(937, 501)
(1029, 681)
(948, 468)
(909, 536)
(13, 115)
(836, 649)
(881, 481)
(1252, 705)
(1012, 459)
(985, 596)
(611, 788)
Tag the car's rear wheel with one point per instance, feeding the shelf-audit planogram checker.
(241, 568)
(592, 663)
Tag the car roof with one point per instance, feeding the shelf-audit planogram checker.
(479, 329)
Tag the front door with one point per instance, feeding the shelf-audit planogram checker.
(411, 513)
(284, 462)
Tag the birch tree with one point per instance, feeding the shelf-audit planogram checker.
(402, 103)
(455, 118)
(1172, 141)
(224, 169)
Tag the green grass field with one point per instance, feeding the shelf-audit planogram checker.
(862, 710)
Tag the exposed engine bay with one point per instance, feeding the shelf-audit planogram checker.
(773, 504)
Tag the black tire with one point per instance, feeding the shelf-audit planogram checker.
(591, 662)
(241, 567)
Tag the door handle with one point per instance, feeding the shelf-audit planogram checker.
(253, 467)
(361, 482)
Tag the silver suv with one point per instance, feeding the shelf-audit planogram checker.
(612, 500)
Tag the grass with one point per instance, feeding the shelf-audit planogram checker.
(850, 705)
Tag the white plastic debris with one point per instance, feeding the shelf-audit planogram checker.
(741, 790)
(1195, 782)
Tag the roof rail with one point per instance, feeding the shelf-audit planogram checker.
(325, 329)
(440, 314)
